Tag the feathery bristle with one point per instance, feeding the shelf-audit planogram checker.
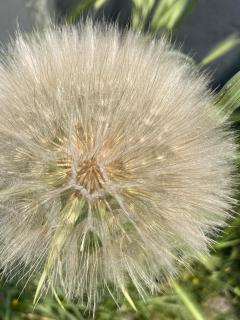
(115, 162)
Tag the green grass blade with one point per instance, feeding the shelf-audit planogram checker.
(140, 11)
(128, 298)
(175, 13)
(160, 16)
(77, 10)
(192, 308)
(58, 299)
(169, 14)
(227, 244)
(99, 3)
(229, 96)
(221, 49)
(190, 5)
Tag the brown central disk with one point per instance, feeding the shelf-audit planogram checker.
(89, 175)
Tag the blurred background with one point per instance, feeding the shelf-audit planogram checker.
(199, 26)
(208, 31)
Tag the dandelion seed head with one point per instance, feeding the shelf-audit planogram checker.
(116, 166)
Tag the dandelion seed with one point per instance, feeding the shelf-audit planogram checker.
(116, 166)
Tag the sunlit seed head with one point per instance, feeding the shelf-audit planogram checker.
(115, 167)
(84, 169)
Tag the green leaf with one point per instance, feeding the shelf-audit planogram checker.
(229, 96)
(221, 49)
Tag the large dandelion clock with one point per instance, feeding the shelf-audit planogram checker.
(115, 164)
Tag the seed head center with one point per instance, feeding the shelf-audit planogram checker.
(89, 175)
